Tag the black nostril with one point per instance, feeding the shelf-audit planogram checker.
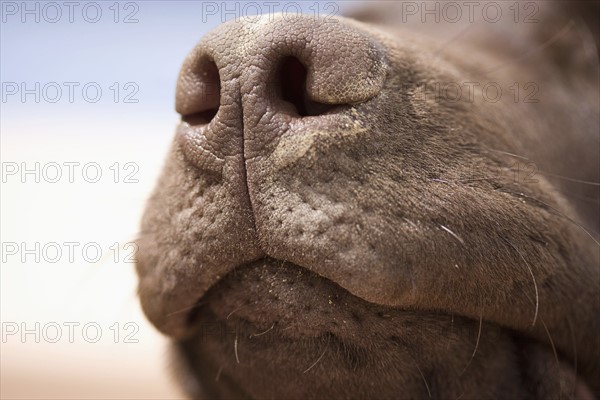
(292, 87)
(200, 118)
(208, 85)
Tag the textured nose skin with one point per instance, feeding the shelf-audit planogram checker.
(287, 90)
(242, 90)
(243, 61)
(198, 225)
(287, 117)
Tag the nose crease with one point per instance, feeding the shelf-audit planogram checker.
(199, 150)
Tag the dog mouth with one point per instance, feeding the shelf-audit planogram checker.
(269, 293)
(267, 312)
(389, 275)
(280, 298)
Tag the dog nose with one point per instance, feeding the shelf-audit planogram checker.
(261, 76)
(255, 98)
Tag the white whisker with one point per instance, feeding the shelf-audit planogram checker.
(527, 54)
(476, 343)
(231, 313)
(453, 234)
(552, 345)
(537, 297)
(509, 154)
(235, 348)
(184, 309)
(316, 362)
(423, 376)
(558, 212)
(574, 346)
(565, 178)
(262, 333)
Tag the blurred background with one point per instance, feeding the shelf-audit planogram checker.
(86, 117)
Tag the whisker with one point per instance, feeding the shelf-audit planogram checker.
(559, 213)
(315, 363)
(237, 309)
(553, 348)
(219, 374)
(509, 154)
(453, 234)
(185, 309)
(318, 359)
(446, 45)
(262, 333)
(410, 222)
(537, 297)
(235, 348)
(476, 343)
(565, 178)
(581, 198)
(423, 377)
(574, 349)
(474, 180)
(539, 48)
(451, 330)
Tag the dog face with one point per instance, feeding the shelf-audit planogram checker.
(334, 220)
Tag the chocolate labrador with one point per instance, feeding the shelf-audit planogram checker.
(398, 205)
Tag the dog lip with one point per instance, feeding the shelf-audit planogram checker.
(257, 327)
(326, 281)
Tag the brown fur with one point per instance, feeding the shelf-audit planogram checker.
(382, 247)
